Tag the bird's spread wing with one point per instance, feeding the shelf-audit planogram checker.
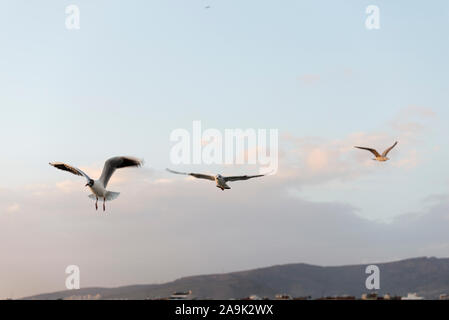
(374, 151)
(66, 167)
(237, 178)
(116, 163)
(389, 149)
(196, 175)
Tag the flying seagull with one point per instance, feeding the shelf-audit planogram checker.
(219, 179)
(379, 157)
(98, 187)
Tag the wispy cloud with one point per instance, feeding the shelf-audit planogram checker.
(13, 208)
(309, 79)
(318, 160)
(171, 220)
(169, 226)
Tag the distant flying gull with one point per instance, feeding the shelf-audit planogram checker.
(98, 187)
(379, 157)
(219, 179)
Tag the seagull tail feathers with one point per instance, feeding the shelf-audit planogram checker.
(109, 196)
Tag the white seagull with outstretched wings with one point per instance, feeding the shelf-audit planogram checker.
(219, 179)
(379, 157)
(98, 187)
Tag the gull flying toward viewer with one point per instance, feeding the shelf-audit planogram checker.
(219, 179)
(379, 157)
(98, 187)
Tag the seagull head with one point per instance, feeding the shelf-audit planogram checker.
(90, 183)
(218, 176)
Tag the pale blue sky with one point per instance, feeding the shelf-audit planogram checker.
(158, 65)
(136, 70)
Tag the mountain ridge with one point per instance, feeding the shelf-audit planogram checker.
(427, 276)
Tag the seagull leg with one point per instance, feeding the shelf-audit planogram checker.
(96, 204)
(104, 204)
